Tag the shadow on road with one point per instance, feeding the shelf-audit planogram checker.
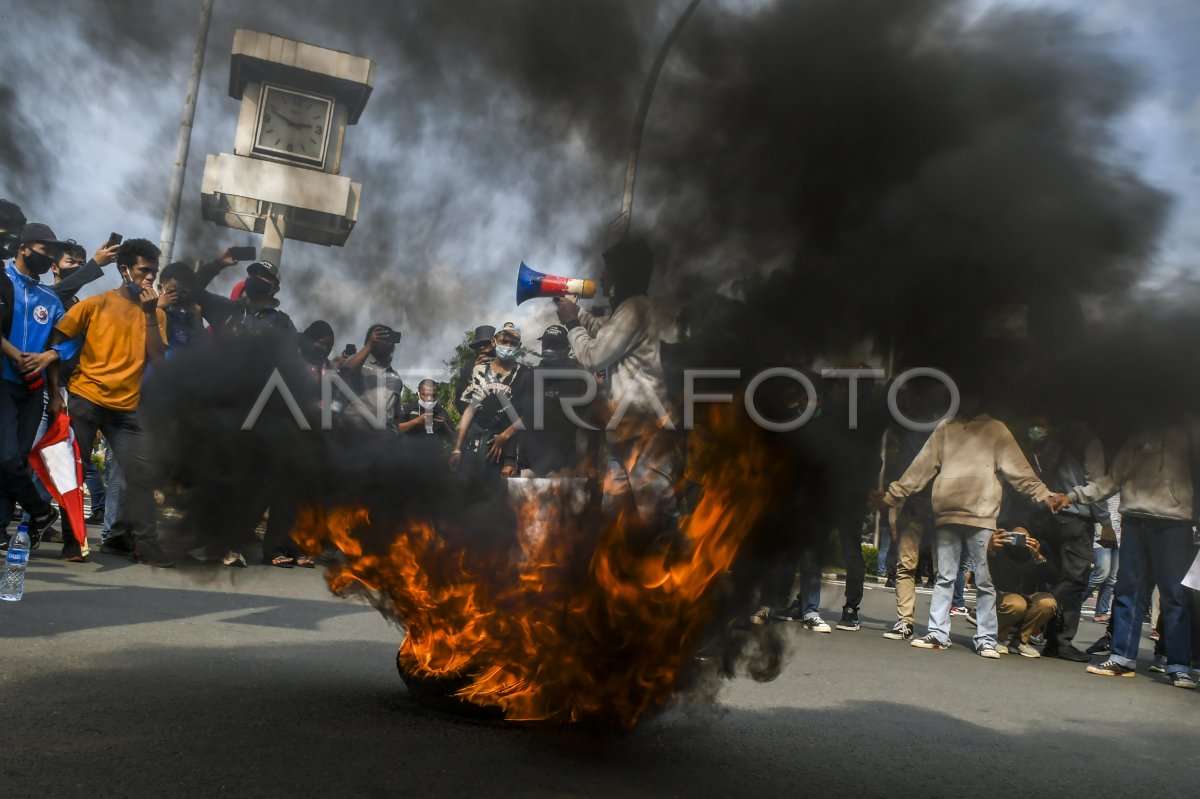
(334, 720)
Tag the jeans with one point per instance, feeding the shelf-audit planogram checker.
(780, 579)
(1153, 552)
(113, 492)
(951, 538)
(885, 546)
(960, 582)
(1104, 577)
(94, 483)
(20, 414)
(642, 471)
(136, 515)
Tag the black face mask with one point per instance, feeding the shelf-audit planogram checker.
(257, 289)
(38, 263)
(63, 274)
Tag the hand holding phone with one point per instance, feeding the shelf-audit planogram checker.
(240, 254)
(113, 240)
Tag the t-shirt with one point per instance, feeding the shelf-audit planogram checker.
(113, 358)
(412, 410)
(484, 393)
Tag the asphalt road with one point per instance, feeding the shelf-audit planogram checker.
(122, 680)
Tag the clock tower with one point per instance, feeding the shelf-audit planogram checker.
(283, 178)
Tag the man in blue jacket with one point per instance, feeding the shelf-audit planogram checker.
(36, 310)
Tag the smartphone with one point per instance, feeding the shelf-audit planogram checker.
(1017, 539)
(114, 238)
(350, 350)
(394, 337)
(243, 253)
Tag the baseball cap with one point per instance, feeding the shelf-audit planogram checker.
(555, 334)
(33, 232)
(264, 269)
(510, 329)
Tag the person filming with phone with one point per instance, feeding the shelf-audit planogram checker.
(1023, 577)
(370, 374)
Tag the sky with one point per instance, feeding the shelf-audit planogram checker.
(453, 200)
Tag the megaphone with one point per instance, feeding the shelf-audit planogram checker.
(532, 284)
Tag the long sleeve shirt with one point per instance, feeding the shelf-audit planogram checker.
(36, 310)
(965, 460)
(1153, 472)
(627, 345)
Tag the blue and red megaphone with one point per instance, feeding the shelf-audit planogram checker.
(532, 284)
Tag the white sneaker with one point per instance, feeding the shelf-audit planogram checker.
(988, 650)
(234, 559)
(816, 624)
(1028, 651)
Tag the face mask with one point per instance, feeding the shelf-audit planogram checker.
(427, 406)
(38, 263)
(1037, 434)
(257, 288)
(506, 353)
(63, 274)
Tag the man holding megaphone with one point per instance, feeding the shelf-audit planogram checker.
(645, 457)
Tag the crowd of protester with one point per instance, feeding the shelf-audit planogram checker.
(1039, 521)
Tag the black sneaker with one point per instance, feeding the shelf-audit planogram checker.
(793, 612)
(37, 527)
(96, 517)
(903, 631)
(1181, 679)
(970, 618)
(849, 619)
(117, 545)
(1068, 652)
(1103, 645)
(1111, 668)
(151, 554)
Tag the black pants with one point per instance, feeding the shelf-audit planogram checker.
(20, 415)
(1070, 545)
(849, 514)
(136, 514)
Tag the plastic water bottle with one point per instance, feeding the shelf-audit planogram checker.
(12, 584)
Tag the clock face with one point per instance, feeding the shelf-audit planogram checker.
(293, 125)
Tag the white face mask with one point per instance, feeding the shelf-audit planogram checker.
(427, 405)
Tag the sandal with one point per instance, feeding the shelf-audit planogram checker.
(305, 562)
(282, 561)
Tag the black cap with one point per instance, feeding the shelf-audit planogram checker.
(264, 269)
(33, 232)
(483, 335)
(555, 336)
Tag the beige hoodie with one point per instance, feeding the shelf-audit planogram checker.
(1152, 472)
(626, 344)
(965, 460)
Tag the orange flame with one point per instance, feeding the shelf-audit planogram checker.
(521, 632)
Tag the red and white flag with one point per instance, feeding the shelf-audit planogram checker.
(55, 460)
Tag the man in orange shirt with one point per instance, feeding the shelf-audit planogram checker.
(122, 330)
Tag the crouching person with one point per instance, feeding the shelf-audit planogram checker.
(1022, 577)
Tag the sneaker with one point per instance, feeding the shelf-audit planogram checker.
(761, 616)
(903, 631)
(1028, 651)
(52, 535)
(1003, 649)
(1102, 619)
(970, 618)
(960, 611)
(930, 642)
(1068, 652)
(1111, 668)
(117, 545)
(1181, 679)
(1154, 635)
(233, 558)
(988, 650)
(891, 583)
(96, 517)
(1102, 645)
(39, 527)
(849, 620)
(1159, 666)
(1037, 640)
(815, 624)
(151, 554)
(793, 612)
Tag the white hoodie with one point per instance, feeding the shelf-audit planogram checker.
(1153, 473)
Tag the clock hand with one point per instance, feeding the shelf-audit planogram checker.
(285, 119)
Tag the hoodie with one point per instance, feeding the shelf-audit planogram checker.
(965, 460)
(1153, 472)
